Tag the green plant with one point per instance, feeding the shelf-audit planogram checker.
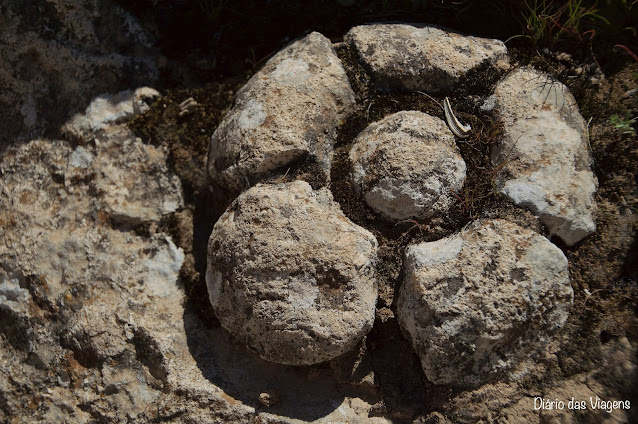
(550, 20)
(623, 123)
(621, 15)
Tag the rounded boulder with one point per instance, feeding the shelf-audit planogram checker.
(407, 166)
(478, 304)
(290, 275)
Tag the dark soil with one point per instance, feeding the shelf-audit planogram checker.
(603, 267)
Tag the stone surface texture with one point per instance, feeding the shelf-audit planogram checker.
(478, 303)
(288, 110)
(426, 58)
(134, 181)
(56, 55)
(290, 275)
(94, 323)
(107, 109)
(82, 292)
(407, 165)
(544, 152)
(104, 311)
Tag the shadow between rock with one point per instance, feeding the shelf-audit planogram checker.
(306, 393)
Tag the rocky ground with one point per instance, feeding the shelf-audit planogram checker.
(107, 202)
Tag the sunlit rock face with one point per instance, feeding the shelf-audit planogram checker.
(477, 304)
(426, 58)
(544, 153)
(288, 110)
(407, 166)
(290, 275)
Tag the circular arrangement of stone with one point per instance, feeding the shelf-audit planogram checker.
(293, 277)
(407, 166)
(290, 275)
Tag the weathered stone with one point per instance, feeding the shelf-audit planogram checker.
(98, 321)
(94, 322)
(479, 302)
(290, 275)
(108, 109)
(57, 55)
(544, 153)
(425, 58)
(78, 291)
(289, 109)
(407, 165)
(134, 180)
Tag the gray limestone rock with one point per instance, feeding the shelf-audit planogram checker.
(56, 55)
(76, 294)
(108, 109)
(134, 180)
(407, 165)
(478, 303)
(425, 58)
(289, 109)
(543, 153)
(290, 275)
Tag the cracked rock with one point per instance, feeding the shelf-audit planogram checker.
(290, 275)
(407, 165)
(547, 167)
(289, 109)
(427, 58)
(134, 181)
(477, 304)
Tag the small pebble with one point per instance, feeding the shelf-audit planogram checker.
(564, 57)
(269, 398)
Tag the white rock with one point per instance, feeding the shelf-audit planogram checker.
(135, 181)
(290, 275)
(108, 109)
(547, 167)
(425, 58)
(289, 109)
(80, 158)
(407, 165)
(163, 269)
(12, 296)
(49, 71)
(479, 302)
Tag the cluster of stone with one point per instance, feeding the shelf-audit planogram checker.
(293, 277)
(91, 306)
